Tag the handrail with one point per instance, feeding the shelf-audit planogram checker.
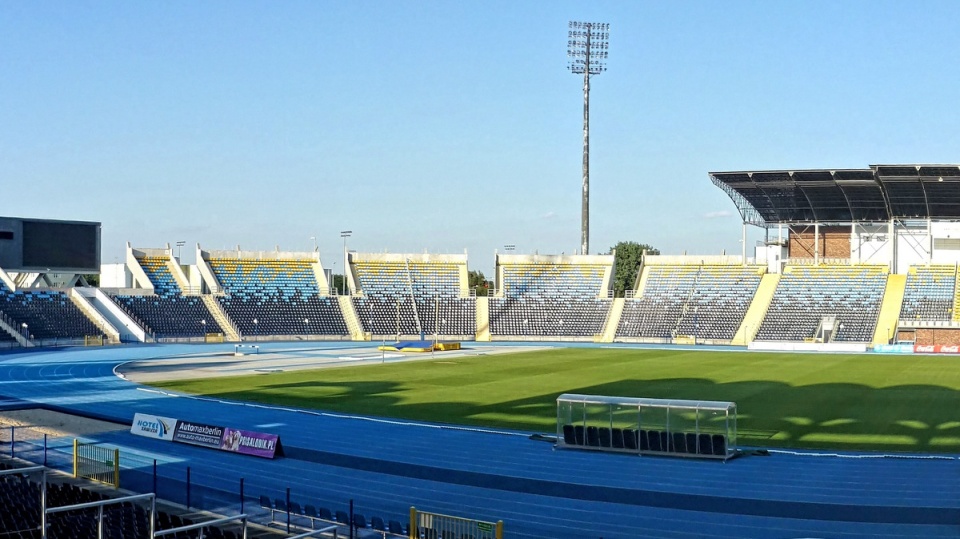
(241, 517)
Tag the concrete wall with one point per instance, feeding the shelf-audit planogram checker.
(115, 276)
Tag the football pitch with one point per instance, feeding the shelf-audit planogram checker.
(810, 401)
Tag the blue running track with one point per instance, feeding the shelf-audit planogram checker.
(387, 466)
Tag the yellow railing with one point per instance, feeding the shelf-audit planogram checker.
(437, 525)
(96, 462)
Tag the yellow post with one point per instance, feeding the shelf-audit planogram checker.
(499, 529)
(76, 463)
(116, 467)
(413, 528)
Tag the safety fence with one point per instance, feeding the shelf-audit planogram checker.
(96, 462)
(439, 526)
(258, 500)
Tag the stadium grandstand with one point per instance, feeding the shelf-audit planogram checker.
(851, 260)
(855, 257)
(412, 295)
(554, 297)
(859, 256)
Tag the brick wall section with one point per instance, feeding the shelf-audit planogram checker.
(942, 336)
(834, 242)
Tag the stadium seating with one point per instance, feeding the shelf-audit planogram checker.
(185, 316)
(806, 294)
(20, 514)
(167, 313)
(158, 271)
(6, 337)
(394, 296)
(49, 314)
(929, 294)
(311, 516)
(644, 441)
(276, 297)
(707, 301)
(550, 300)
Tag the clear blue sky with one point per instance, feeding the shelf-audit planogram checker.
(445, 126)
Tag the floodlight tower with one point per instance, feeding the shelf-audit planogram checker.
(587, 44)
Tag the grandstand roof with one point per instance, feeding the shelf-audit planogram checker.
(878, 193)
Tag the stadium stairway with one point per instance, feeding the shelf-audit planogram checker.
(757, 310)
(351, 318)
(21, 340)
(94, 315)
(642, 282)
(178, 276)
(613, 320)
(956, 299)
(890, 309)
(483, 319)
(230, 332)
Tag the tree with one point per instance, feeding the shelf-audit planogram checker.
(337, 283)
(478, 282)
(627, 262)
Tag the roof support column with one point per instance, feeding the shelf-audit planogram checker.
(816, 243)
(892, 238)
(853, 238)
(929, 241)
(743, 242)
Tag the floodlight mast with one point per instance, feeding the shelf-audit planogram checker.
(587, 49)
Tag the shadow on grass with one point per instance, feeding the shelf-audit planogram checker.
(919, 418)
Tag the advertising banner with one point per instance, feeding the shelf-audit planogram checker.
(153, 426)
(893, 348)
(244, 442)
(191, 433)
(936, 349)
(247, 442)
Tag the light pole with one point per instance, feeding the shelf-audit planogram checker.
(346, 263)
(587, 44)
(203, 324)
(26, 334)
(180, 244)
(256, 332)
(509, 248)
(314, 238)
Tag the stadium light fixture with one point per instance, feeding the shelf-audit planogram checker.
(509, 248)
(346, 263)
(588, 45)
(180, 244)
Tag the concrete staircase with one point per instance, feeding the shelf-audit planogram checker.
(483, 319)
(230, 331)
(15, 333)
(956, 295)
(351, 318)
(889, 315)
(757, 310)
(613, 320)
(95, 316)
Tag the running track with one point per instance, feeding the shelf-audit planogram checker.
(386, 467)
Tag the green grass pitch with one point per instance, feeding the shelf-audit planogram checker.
(854, 402)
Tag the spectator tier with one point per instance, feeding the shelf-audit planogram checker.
(806, 294)
(929, 294)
